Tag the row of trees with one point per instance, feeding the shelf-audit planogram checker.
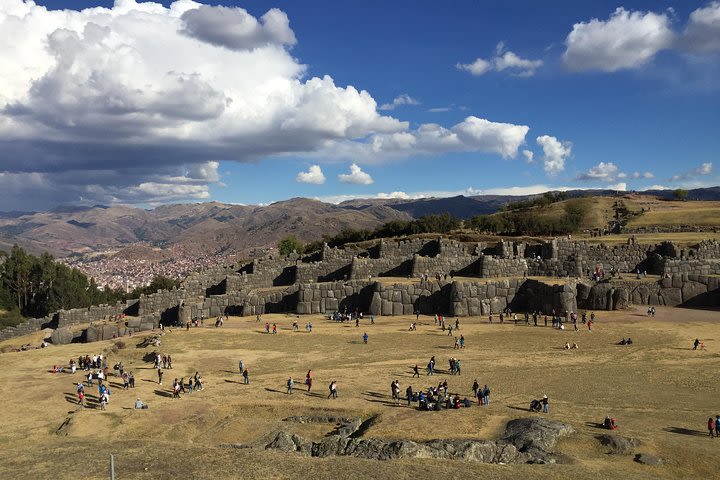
(33, 286)
(531, 222)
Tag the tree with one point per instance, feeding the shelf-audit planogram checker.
(289, 244)
(680, 194)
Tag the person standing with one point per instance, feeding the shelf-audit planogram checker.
(717, 425)
(545, 404)
(462, 341)
(290, 385)
(475, 388)
(409, 394)
(696, 343)
(711, 427)
(246, 376)
(308, 380)
(160, 374)
(486, 395)
(365, 337)
(457, 343)
(241, 366)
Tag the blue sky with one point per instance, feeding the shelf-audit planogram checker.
(629, 100)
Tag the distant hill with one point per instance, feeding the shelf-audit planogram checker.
(214, 227)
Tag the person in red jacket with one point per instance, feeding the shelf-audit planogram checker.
(711, 427)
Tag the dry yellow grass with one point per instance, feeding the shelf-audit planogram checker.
(659, 389)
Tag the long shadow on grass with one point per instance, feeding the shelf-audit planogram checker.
(685, 431)
(268, 389)
(163, 393)
(522, 409)
(233, 381)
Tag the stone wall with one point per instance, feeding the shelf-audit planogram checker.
(697, 267)
(489, 267)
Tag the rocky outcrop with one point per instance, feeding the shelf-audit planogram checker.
(62, 336)
(647, 459)
(528, 440)
(617, 445)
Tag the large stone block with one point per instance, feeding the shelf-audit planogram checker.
(397, 308)
(621, 299)
(387, 307)
(671, 296)
(62, 336)
(331, 304)
(375, 304)
(692, 289)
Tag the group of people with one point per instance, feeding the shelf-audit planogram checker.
(179, 386)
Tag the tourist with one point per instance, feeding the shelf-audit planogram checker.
(450, 330)
(416, 371)
(486, 395)
(274, 328)
(160, 374)
(241, 365)
(176, 389)
(574, 346)
(696, 343)
(290, 384)
(308, 380)
(409, 394)
(457, 343)
(365, 337)
(475, 388)
(457, 324)
(333, 389)
(545, 404)
(267, 327)
(717, 425)
(139, 405)
(103, 401)
(567, 346)
(246, 376)
(462, 341)
(131, 379)
(169, 361)
(711, 427)
(610, 423)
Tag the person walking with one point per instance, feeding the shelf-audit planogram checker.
(241, 366)
(416, 371)
(717, 425)
(308, 380)
(696, 343)
(160, 374)
(333, 389)
(365, 337)
(486, 395)
(290, 385)
(462, 341)
(457, 343)
(246, 376)
(409, 394)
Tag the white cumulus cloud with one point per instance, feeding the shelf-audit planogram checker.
(314, 176)
(403, 99)
(503, 60)
(703, 169)
(631, 39)
(625, 40)
(555, 153)
(131, 103)
(529, 155)
(356, 176)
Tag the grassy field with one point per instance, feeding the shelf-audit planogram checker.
(659, 389)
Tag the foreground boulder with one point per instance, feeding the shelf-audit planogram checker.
(528, 440)
(618, 445)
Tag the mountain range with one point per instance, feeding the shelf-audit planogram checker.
(213, 227)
